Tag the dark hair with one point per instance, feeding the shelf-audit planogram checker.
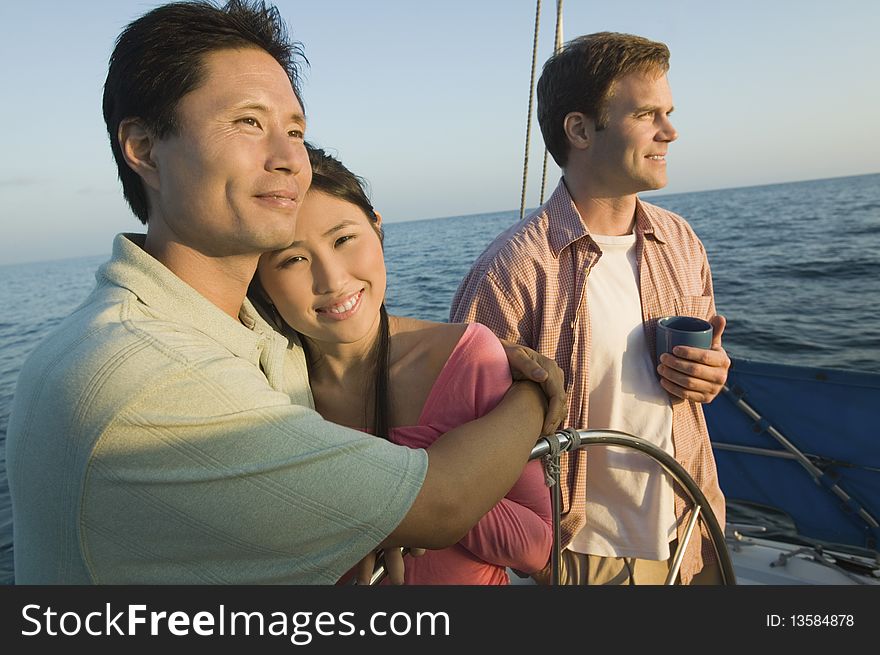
(159, 58)
(580, 77)
(330, 176)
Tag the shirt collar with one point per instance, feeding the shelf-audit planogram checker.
(158, 288)
(564, 224)
(567, 226)
(649, 220)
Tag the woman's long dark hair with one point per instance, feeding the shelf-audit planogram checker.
(331, 177)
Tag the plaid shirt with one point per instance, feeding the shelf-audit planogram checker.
(529, 286)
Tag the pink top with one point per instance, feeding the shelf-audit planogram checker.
(517, 532)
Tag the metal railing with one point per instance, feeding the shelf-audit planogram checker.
(551, 447)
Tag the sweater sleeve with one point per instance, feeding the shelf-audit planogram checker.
(517, 531)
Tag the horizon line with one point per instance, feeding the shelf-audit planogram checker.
(500, 211)
(654, 194)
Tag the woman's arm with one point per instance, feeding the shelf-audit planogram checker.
(517, 532)
(470, 468)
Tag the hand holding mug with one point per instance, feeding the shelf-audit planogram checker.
(695, 367)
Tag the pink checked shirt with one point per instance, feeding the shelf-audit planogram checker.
(529, 286)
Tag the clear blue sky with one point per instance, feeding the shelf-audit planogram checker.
(427, 100)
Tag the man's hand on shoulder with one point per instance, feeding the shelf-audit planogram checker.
(527, 364)
(696, 374)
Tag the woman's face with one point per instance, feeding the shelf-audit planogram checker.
(330, 282)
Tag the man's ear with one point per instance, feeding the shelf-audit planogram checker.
(136, 143)
(578, 130)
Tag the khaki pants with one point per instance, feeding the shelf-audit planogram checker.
(579, 569)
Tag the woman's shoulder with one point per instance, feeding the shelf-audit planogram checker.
(438, 341)
(443, 330)
(424, 344)
(451, 372)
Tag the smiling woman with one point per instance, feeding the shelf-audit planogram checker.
(331, 280)
(399, 378)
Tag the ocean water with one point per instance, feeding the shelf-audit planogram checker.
(795, 268)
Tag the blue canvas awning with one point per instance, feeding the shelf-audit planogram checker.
(827, 478)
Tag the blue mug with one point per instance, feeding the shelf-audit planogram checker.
(675, 331)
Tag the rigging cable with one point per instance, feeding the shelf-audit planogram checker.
(522, 203)
(557, 46)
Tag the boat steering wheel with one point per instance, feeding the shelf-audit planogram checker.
(568, 440)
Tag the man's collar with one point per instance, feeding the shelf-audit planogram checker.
(158, 288)
(566, 225)
(649, 220)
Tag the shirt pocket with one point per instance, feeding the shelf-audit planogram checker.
(697, 306)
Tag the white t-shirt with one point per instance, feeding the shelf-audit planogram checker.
(630, 508)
